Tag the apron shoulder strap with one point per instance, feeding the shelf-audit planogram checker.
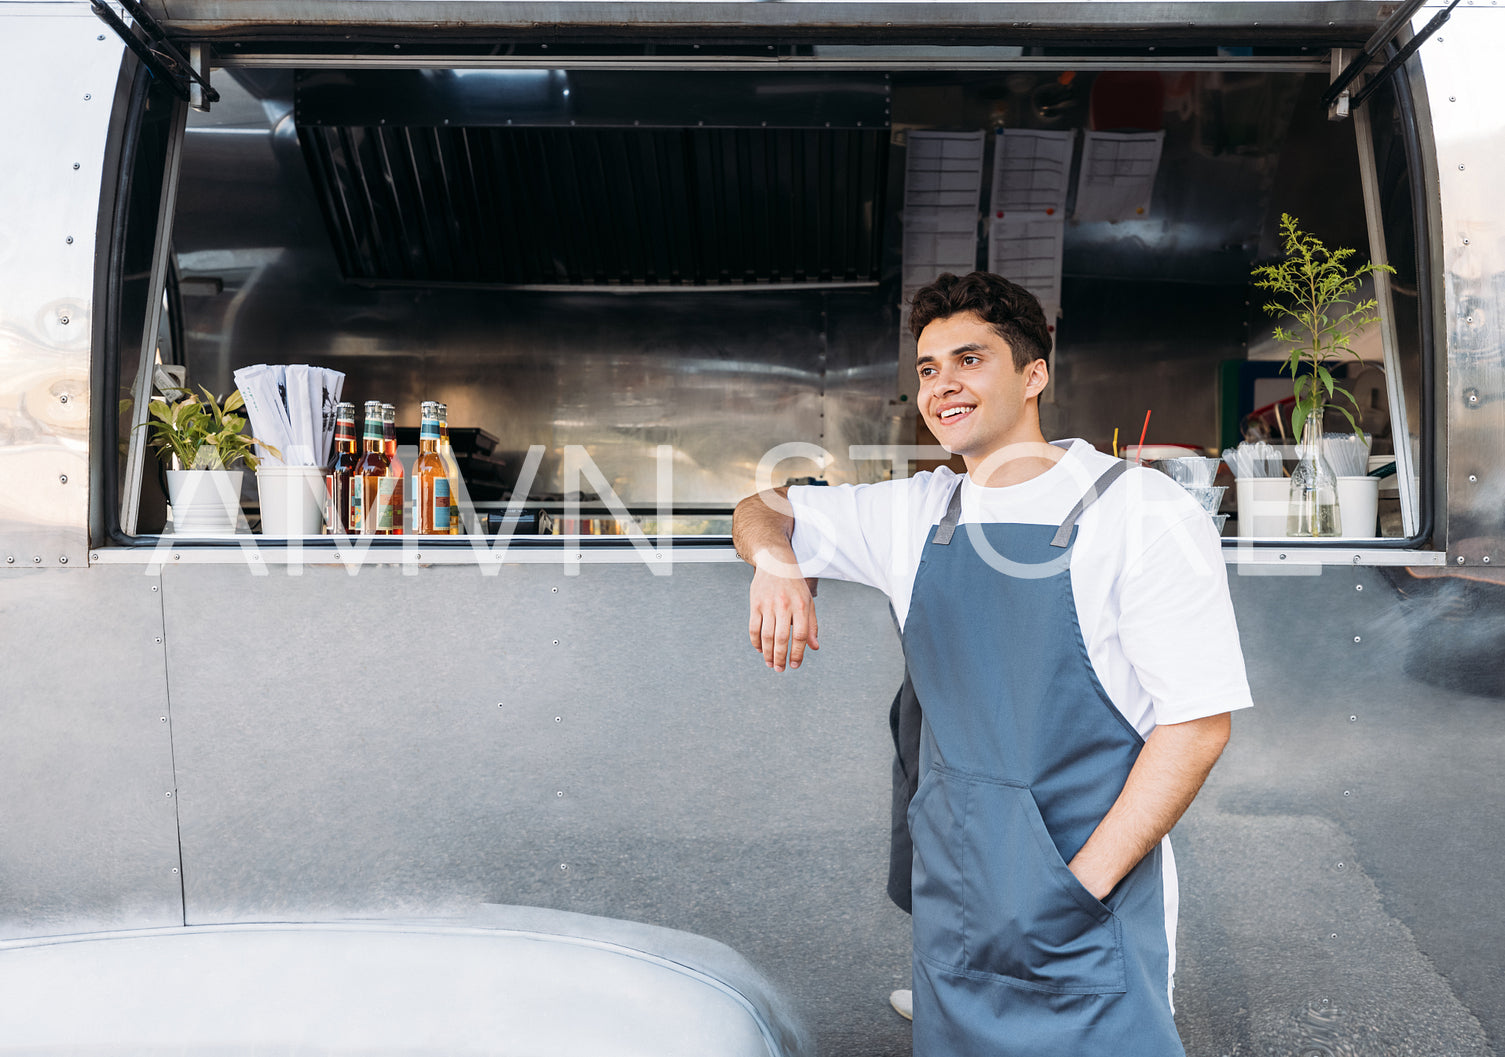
(1101, 485)
(947, 526)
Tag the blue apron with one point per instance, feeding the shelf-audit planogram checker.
(1021, 755)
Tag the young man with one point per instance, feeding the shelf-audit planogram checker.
(1068, 631)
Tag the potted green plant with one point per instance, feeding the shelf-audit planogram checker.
(1315, 287)
(200, 441)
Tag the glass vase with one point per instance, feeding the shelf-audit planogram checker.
(1314, 486)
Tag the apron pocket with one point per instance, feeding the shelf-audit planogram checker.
(995, 898)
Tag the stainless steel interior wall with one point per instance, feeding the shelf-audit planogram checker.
(723, 377)
(1152, 306)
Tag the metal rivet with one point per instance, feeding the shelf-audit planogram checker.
(174, 869)
(69, 240)
(1282, 557)
(579, 557)
(1347, 792)
(1333, 936)
(175, 557)
(87, 96)
(100, 37)
(10, 559)
(1341, 866)
(159, 640)
(95, 557)
(1356, 638)
(1465, 242)
(1473, 478)
(63, 399)
(1358, 587)
(63, 320)
(1460, 168)
(169, 794)
(554, 590)
(1353, 719)
(62, 478)
(154, 588)
(564, 866)
(1469, 319)
(36, 559)
(1452, 99)
(556, 642)
(75, 165)
(63, 560)
(417, 556)
(560, 793)
(558, 719)
(660, 557)
(1460, 559)
(1485, 559)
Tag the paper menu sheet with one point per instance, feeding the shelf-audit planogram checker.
(1031, 172)
(942, 170)
(1027, 250)
(1117, 175)
(936, 242)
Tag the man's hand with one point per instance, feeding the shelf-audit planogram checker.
(1172, 766)
(781, 621)
(782, 618)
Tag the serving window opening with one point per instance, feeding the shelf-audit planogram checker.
(642, 293)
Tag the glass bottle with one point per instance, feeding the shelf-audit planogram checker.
(452, 468)
(394, 465)
(1314, 487)
(341, 466)
(370, 502)
(431, 491)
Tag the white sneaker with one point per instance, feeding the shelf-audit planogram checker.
(903, 1003)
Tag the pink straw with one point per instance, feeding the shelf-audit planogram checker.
(1139, 452)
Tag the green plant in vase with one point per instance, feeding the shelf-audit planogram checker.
(200, 442)
(1315, 288)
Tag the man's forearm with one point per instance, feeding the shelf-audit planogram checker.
(1171, 768)
(761, 527)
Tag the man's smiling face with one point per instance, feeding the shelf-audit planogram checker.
(972, 398)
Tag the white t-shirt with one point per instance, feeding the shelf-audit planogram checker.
(1147, 571)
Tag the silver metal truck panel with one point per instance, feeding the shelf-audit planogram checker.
(49, 207)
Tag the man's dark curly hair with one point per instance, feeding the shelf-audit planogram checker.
(1014, 313)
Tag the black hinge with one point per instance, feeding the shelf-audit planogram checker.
(149, 41)
(1382, 37)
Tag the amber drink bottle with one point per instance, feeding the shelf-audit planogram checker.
(451, 467)
(394, 465)
(431, 491)
(370, 489)
(341, 466)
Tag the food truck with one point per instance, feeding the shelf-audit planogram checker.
(523, 787)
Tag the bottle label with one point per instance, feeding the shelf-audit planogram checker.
(441, 504)
(385, 514)
(357, 504)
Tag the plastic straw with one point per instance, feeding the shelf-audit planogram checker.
(1115, 442)
(1139, 452)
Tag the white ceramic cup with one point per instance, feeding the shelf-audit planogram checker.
(1359, 507)
(1263, 504)
(292, 500)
